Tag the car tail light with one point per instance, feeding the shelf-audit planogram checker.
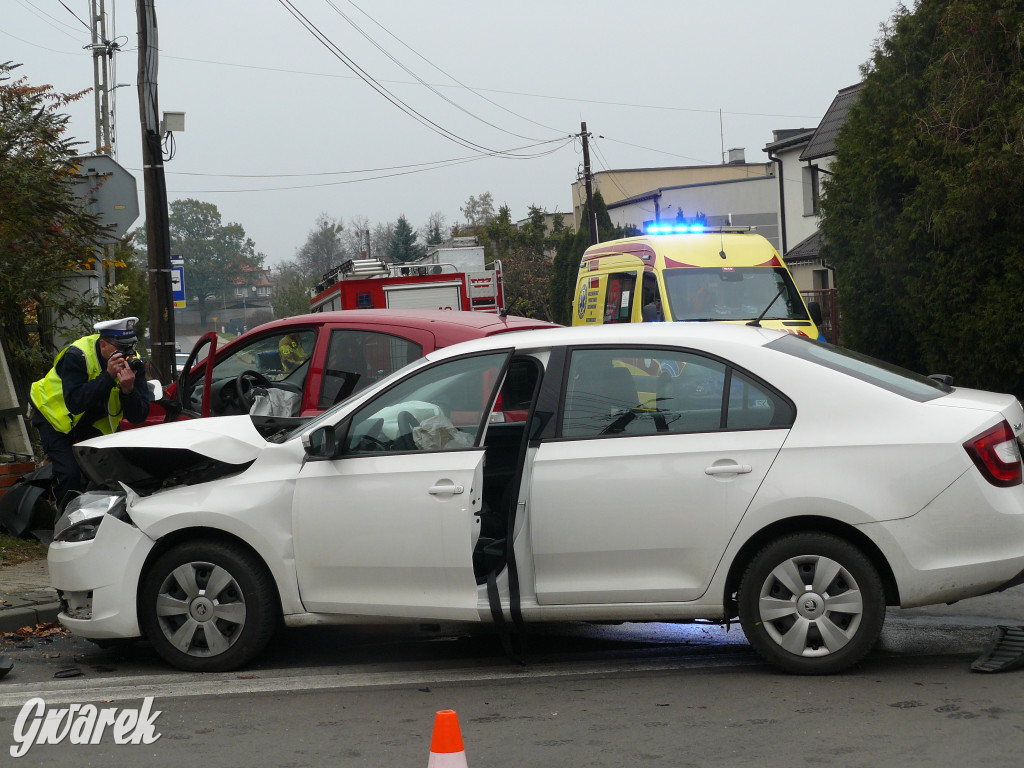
(997, 455)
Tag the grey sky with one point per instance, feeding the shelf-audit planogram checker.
(262, 96)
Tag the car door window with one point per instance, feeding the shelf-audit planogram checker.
(753, 406)
(650, 391)
(282, 358)
(357, 358)
(441, 408)
(277, 356)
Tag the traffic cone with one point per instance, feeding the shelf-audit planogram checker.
(446, 750)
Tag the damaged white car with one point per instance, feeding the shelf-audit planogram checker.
(663, 472)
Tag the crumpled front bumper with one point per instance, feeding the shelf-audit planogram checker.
(98, 580)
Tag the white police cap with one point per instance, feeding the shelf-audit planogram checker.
(122, 330)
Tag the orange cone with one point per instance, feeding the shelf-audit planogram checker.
(446, 750)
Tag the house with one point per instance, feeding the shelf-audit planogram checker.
(736, 193)
(802, 158)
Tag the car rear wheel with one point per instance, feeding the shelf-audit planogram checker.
(811, 604)
(208, 606)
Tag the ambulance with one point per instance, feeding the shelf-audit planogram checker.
(695, 273)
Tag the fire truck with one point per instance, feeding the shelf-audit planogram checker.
(372, 284)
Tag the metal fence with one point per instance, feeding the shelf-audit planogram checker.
(828, 300)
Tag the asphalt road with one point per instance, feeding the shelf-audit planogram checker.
(587, 696)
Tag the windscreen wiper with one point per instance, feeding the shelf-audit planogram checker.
(757, 323)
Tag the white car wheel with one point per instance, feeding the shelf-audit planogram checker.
(811, 604)
(208, 606)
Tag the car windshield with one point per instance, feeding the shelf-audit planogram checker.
(732, 293)
(885, 375)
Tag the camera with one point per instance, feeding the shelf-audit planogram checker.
(131, 356)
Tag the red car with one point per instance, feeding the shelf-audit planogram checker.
(305, 364)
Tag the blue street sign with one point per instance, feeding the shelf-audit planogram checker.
(178, 281)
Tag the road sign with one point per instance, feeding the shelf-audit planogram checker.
(178, 281)
(109, 191)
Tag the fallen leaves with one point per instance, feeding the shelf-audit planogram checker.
(49, 629)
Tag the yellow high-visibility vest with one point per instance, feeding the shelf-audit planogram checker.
(48, 393)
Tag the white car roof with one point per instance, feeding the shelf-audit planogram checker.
(674, 334)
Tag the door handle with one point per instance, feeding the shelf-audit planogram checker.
(728, 469)
(445, 489)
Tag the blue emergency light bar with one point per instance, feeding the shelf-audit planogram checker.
(674, 229)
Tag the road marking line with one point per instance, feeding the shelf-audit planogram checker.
(81, 691)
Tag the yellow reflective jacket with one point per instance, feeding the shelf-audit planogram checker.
(48, 393)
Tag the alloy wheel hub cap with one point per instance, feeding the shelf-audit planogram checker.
(810, 605)
(201, 609)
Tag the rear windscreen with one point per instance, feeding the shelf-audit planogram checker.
(733, 293)
(885, 375)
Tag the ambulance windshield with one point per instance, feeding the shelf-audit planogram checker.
(732, 293)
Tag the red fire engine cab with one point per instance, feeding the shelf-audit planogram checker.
(372, 284)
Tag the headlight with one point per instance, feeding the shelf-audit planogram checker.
(84, 513)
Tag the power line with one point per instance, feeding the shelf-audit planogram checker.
(40, 13)
(43, 47)
(424, 165)
(661, 151)
(611, 176)
(75, 15)
(425, 121)
(448, 74)
(489, 90)
(418, 79)
(460, 161)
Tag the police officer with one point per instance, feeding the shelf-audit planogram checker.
(94, 382)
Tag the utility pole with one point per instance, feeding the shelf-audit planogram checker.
(102, 52)
(102, 62)
(588, 181)
(158, 237)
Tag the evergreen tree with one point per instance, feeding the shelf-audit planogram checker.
(924, 208)
(403, 247)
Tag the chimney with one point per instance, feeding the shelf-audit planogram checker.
(737, 156)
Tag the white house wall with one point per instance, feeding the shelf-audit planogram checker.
(799, 224)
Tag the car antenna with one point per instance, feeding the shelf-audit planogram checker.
(757, 323)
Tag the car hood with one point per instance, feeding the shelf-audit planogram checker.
(168, 455)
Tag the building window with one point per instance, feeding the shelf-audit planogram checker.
(812, 190)
(239, 291)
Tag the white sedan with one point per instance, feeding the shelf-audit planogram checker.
(656, 472)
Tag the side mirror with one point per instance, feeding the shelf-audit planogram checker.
(321, 443)
(815, 309)
(942, 378)
(156, 390)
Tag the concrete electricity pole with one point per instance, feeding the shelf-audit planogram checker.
(158, 237)
(102, 53)
(588, 181)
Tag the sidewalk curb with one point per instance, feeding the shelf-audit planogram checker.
(13, 619)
